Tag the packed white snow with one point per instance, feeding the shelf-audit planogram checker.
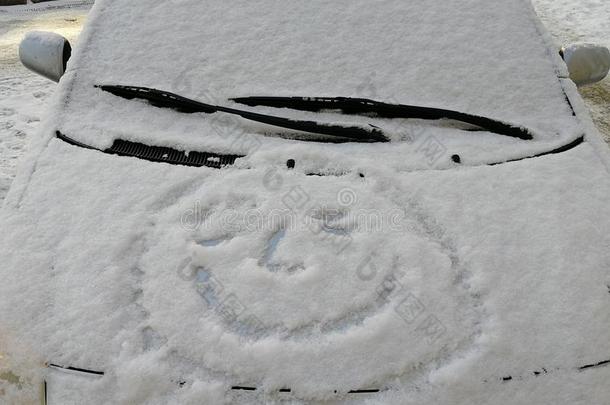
(23, 91)
(19, 117)
(250, 50)
(582, 21)
(24, 96)
(385, 267)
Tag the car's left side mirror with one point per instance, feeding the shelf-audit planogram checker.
(45, 53)
(587, 63)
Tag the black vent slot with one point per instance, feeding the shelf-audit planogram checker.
(241, 388)
(159, 153)
(288, 390)
(169, 155)
(80, 370)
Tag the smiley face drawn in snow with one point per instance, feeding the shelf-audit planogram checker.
(280, 290)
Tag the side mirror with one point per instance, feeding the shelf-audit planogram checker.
(587, 63)
(45, 53)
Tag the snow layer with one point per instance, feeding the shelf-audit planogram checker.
(470, 284)
(582, 21)
(42, 7)
(24, 95)
(585, 21)
(390, 51)
(19, 115)
(160, 295)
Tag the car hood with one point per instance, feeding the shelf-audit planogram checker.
(271, 278)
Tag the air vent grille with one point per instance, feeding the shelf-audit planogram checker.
(160, 153)
(169, 155)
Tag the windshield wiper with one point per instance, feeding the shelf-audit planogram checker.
(362, 106)
(165, 99)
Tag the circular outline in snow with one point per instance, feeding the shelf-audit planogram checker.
(416, 319)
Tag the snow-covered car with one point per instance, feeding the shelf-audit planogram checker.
(347, 201)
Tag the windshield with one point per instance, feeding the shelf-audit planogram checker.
(343, 105)
(326, 72)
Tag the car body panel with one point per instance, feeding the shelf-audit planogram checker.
(155, 270)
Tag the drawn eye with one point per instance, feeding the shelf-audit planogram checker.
(275, 264)
(213, 242)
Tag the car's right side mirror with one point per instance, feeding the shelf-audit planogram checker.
(45, 53)
(587, 63)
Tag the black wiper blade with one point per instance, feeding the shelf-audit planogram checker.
(165, 99)
(362, 106)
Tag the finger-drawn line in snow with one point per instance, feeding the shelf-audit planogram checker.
(230, 307)
(218, 258)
